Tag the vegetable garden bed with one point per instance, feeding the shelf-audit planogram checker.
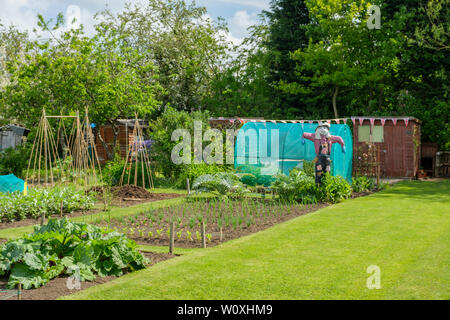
(29, 219)
(223, 221)
(57, 287)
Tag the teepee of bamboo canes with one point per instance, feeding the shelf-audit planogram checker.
(84, 152)
(137, 153)
(44, 158)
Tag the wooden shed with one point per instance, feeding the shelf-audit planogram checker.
(397, 143)
(124, 138)
(12, 136)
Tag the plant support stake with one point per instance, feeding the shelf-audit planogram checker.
(203, 235)
(171, 240)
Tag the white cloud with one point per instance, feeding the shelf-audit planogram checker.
(260, 4)
(239, 24)
(229, 37)
(242, 20)
(22, 13)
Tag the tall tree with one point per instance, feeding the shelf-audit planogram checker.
(14, 45)
(187, 47)
(244, 88)
(422, 84)
(287, 21)
(72, 72)
(347, 58)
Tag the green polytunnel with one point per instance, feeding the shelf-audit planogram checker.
(265, 148)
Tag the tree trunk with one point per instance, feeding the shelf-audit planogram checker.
(105, 146)
(336, 91)
(116, 131)
(110, 151)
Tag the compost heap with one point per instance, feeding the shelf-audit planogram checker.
(127, 191)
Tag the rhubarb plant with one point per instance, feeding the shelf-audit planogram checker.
(62, 247)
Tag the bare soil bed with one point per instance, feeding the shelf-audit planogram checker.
(129, 195)
(188, 236)
(58, 287)
(31, 222)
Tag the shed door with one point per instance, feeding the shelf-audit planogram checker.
(8, 140)
(395, 155)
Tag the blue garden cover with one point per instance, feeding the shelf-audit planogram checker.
(10, 183)
(284, 141)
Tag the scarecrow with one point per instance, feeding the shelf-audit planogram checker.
(323, 141)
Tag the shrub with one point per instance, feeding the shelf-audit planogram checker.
(161, 132)
(113, 170)
(14, 161)
(363, 184)
(309, 168)
(193, 171)
(297, 187)
(254, 176)
(222, 183)
(334, 189)
(301, 187)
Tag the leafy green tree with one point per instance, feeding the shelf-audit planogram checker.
(161, 131)
(188, 48)
(434, 33)
(286, 22)
(421, 87)
(73, 72)
(349, 58)
(243, 88)
(14, 44)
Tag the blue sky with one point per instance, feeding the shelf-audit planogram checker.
(239, 14)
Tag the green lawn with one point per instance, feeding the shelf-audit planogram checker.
(404, 230)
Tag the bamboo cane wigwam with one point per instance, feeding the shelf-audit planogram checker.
(78, 162)
(137, 153)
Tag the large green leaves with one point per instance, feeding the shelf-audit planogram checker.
(64, 247)
(297, 187)
(29, 278)
(16, 206)
(221, 183)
